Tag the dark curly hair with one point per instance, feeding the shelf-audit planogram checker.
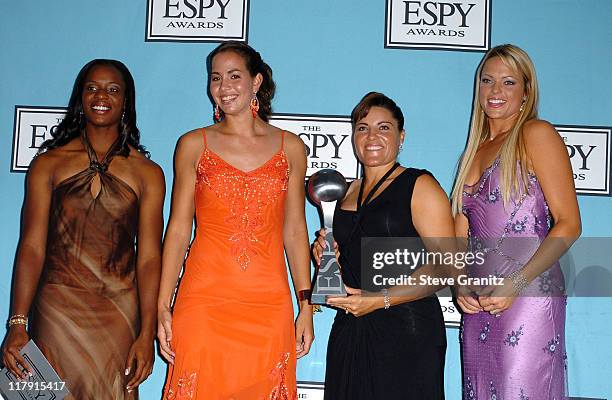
(255, 65)
(74, 122)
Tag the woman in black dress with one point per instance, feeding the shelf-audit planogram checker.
(391, 344)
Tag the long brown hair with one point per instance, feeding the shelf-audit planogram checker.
(255, 65)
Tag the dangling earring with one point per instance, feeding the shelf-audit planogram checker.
(81, 118)
(124, 130)
(254, 105)
(217, 113)
(122, 126)
(401, 147)
(523, 104)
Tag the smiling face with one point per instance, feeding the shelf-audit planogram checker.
(231, 85)
(103, 96)
(501, 90)
(377, 138)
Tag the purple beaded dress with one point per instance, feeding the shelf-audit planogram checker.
(521, 353)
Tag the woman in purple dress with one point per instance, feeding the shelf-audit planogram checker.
(514, 199)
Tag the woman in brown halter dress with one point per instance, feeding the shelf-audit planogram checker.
(92, 193)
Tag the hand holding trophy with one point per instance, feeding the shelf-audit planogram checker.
(325, 188)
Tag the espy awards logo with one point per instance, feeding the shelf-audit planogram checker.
(33, 125)
(458, 25)
(589, 151)
(197, 20)
(327, 139)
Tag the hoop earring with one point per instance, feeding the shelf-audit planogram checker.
(217, 113)
(254, 105)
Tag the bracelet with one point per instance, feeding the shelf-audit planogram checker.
(518, 280)
(386, 300)
(17, 319)
(304, 295)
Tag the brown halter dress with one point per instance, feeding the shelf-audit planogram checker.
(85, 315)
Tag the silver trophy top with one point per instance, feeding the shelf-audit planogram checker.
(326, 185)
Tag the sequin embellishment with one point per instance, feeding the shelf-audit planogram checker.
(513, 337)
(469, 389)
(552, 345)
(483, 334)
(280, 391)
(246, 194)
(185, 388)
(493, 391)
(523, 395)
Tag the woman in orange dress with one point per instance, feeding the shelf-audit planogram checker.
(230, 334)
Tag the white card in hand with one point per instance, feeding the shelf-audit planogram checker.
(44, 384)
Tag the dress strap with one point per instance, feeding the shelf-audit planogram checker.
(94, 164)
(282, 147)
(375, 188)
(204, 138)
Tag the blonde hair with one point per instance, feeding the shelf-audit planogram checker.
(513, 148)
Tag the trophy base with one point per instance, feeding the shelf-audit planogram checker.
(321, 299)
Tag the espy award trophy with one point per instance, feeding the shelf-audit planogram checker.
(325, 188)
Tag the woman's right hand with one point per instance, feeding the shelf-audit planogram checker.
(16, 338)
(164, 333)
(469, 304)
(319, 245)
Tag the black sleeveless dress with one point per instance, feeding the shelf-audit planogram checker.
(394, 354)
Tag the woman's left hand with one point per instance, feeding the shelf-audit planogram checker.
(304, 331)
(498, 298)
(358, 302)
(142, 354)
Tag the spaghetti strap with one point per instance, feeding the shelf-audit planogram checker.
(282, 147)
(204, 138)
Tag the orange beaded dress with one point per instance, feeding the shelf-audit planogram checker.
(232, 328)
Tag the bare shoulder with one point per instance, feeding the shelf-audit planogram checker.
(50, 161)
(44, 164)
(537, 132)
(428, 194)
(189, 146)
(427, 185)
(148, 169)
(542, 142)
(294, 143)
(296, 152)
(193, 138)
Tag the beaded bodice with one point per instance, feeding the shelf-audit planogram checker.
(509, 235)
(526, 215)
(246, 201)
